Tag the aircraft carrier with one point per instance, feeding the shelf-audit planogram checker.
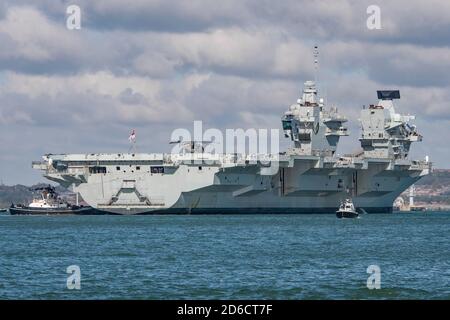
(309, 177)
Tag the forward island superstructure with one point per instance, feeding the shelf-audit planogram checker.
(309, 177)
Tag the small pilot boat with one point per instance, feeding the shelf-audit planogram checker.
(347, 210)
(48, 203)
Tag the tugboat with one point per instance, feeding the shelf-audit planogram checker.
(48, 203)
(347, 210)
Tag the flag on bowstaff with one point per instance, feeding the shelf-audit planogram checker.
(132, 137)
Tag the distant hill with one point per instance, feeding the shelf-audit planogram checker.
(14, 194)
(433, 189)
(438, 178)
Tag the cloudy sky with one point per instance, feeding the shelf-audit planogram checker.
(159, 65)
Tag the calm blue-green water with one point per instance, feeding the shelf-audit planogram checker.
(225, 257)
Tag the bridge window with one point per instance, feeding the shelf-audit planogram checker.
(97, 169)
(286, 125)
(157, 169)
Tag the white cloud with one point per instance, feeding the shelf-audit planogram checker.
(73, 94)
(33, 36)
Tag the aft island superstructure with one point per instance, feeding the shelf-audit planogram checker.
(309, 177)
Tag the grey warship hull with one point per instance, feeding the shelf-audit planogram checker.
(301, 185)
(262, 210)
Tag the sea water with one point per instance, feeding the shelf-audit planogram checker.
(226, 256)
